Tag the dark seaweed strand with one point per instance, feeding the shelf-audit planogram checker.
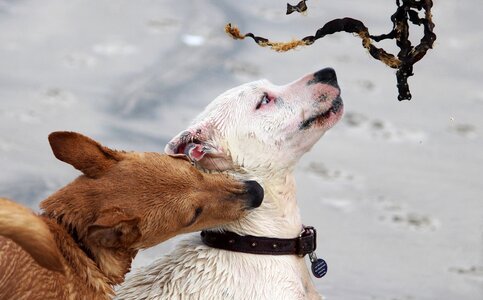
(300, 7)
(408, 55)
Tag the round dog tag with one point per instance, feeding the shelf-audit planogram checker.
(319, 268)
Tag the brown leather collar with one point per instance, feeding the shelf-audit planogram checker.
(227, 240)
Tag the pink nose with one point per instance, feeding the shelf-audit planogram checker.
(326, 76)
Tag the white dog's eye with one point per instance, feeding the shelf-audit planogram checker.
(265, 100)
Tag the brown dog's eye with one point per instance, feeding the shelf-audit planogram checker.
(198, 212)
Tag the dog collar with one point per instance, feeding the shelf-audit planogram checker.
(304, 244)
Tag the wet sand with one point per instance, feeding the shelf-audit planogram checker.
(394, 189)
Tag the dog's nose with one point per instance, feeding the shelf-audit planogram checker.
(255, 193)
(326, 76)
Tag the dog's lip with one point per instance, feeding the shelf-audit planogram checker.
(336, 106)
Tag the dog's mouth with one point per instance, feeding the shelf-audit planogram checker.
(321, 118)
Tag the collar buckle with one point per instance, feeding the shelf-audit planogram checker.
(307, 241)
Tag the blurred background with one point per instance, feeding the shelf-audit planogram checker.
(395, 189)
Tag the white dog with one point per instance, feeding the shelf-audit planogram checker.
(262, 130)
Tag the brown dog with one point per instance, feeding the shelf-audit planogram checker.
(89, 231)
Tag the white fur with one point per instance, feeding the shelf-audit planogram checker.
(264, 144)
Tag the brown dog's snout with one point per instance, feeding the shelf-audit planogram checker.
(326, 76)
(254, 192)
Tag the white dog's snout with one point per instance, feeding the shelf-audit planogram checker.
(327, 76)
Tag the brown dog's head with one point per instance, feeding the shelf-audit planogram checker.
(134, 200)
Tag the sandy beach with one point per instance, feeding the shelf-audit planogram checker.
(395, 189)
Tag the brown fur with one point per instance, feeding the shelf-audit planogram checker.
(89, 231)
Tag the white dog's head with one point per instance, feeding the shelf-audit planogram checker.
(261, 127)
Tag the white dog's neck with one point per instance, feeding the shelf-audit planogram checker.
(278, 216)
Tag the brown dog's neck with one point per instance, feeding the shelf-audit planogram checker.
(80, 267)
(100, 268)
(73, 210)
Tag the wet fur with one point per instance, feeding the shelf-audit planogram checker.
(88, 232)
(241, 131)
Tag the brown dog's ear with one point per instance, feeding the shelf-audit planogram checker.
(83, 153)
(114, 229)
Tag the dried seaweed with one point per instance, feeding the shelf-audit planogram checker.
(300, 7)
(407, 12)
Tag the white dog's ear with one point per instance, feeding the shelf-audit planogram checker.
(196, 145)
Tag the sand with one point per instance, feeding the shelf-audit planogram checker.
(395, 189)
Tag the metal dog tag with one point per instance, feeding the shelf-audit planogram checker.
(319, 266)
